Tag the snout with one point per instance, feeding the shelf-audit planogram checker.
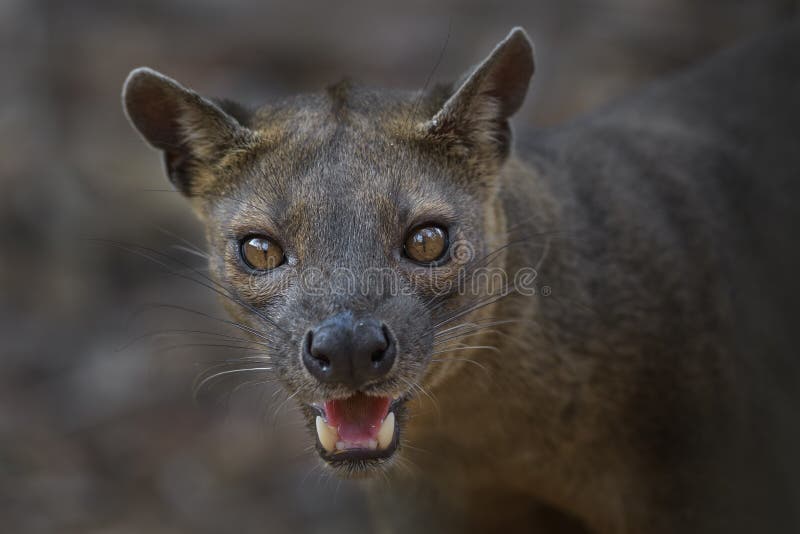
(358, 364)
(349, 351)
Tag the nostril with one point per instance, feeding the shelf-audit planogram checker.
(387, 337)
(323, 360)
(377, 356)
(320, 358)
(383, 353)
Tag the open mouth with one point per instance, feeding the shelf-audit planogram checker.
(360, 427)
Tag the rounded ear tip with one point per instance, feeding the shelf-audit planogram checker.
(143, 70)
(144, 84)
(519, 35)
(135, 78)
(140, 76)
(146, 94)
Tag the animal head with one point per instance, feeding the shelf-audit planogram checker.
(341, 226)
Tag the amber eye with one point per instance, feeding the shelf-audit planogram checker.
(261, 253)
(426, 244)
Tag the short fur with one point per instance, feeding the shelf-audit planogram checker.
(650, 384)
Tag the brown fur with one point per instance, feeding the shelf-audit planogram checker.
(618, 398)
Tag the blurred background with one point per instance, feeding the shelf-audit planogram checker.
(99, 431)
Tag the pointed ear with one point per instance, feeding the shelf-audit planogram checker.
(477, 112)
(193, 132)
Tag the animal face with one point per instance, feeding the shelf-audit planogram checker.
(341, 228)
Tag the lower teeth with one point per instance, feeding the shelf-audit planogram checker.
(329, 437)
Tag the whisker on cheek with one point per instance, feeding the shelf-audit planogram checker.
(468, 347)
(251, 383)
(232, 324)
(467, 360)
(464, 335)
(176, 346)
(471, 308)
(189, 245)
(417, 387)
(204, 281)
(193, 252)
(197, 388)
(484, 323)
(179, 331)
(277, 410)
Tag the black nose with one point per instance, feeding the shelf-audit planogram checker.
(348, 350)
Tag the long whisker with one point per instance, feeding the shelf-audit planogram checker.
(418, 387)
(467, 347)
(229, 362)
(220, 374)
(475, 265)
(206, 281)
(235, 363)
(470, 328)
(190, 246)
(460, 313)
(486, 328)
(250, 383)
(188, 250)
(209, 345)
(464, 335)
(281, 405)
(467, 360)
(233, 324)
(491, 255)
(479, 322)
(178, 331)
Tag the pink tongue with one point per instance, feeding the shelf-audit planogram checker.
(357, 418)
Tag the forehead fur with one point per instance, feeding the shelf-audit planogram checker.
(344, 106)
(349, 137)
(347, 134)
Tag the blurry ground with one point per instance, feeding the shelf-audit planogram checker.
(95, 439)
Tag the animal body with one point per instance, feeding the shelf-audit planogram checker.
(587, 328)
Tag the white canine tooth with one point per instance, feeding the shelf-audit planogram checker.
(327, 435)
(386, 433)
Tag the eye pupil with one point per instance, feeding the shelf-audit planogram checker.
(261, 253)
(426, 244)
